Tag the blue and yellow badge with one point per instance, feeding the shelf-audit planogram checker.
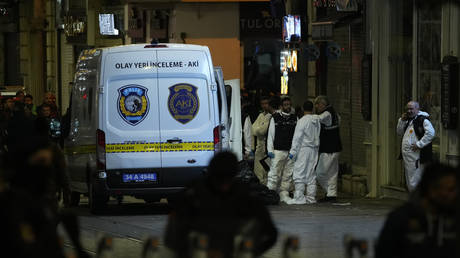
(183, 102)
(133, 103)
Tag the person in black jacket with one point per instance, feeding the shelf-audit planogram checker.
(426, 225)
(223, 210)
(330, 147)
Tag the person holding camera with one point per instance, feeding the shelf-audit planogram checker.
(416, 150)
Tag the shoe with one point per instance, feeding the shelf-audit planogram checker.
(328, 199)
(284, 197)
(310, 200)
(297, 201)
(299, 198)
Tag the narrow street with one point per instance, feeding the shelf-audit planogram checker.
(320, 227)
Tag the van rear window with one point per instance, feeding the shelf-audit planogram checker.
(219, 100)
(155, 46)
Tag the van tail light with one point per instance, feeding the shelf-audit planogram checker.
(217, 138)
(100, 150)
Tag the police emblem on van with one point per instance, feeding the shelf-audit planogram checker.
(183, 102)
(133, 103)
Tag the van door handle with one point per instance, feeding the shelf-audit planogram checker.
(174, 140)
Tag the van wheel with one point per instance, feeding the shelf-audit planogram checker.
(74, 199)
(97, 203)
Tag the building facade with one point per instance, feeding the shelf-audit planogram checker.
(373, 58)
(390, 52)
(408, 41)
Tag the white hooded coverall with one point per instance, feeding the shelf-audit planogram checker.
(259, 130)
(247, 135)
(281, 165)
(412, 166)
(305, 146)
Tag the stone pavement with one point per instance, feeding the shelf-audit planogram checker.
(320, 227)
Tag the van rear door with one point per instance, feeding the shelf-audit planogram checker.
(130, 111)
(186, 106)
(222, 97)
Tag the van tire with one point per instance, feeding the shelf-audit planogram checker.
(97, 203)
(74, 199)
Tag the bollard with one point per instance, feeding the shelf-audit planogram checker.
(198, 245)
(151, 248)
(291, 247)
(105, 247)
(352, 244)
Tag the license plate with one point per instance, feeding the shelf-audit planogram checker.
(139, 177)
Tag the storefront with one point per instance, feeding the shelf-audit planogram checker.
(412, 39)
(261, 40)
(340, 37)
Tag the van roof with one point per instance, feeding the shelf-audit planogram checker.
(134, 47)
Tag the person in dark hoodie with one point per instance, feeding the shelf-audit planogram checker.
(426, 225)
(223, 210)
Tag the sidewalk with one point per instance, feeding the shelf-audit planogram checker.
(321, 227)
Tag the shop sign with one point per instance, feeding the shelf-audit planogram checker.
(340, 5)
(256, 21)
(366, 87)
(333, 51)
(288, 60)
(346, 6)
(312, 52)
(74, 26)
(107, 24)
(449, 91)
(324, 3)
(284, 83)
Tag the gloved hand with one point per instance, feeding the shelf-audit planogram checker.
(291, 156)
(271, 155)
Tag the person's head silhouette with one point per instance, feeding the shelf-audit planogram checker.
(222, 170)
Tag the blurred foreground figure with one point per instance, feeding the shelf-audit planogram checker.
(222, 210)
(28, 217)
(426, 225)
(33, 177)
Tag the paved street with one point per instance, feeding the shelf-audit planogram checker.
(320, 227)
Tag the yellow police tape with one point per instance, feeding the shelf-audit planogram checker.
(143, 147)
(80, 149)
(157, 147)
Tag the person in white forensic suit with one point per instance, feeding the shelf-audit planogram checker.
(249, 115)
(304, 150)
(260, 130)
(416, 150)
(330, 147)
(247, 136)
(280, 134)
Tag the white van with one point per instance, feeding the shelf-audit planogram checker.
(145, 121)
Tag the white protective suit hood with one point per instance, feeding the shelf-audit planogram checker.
(423, 113)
